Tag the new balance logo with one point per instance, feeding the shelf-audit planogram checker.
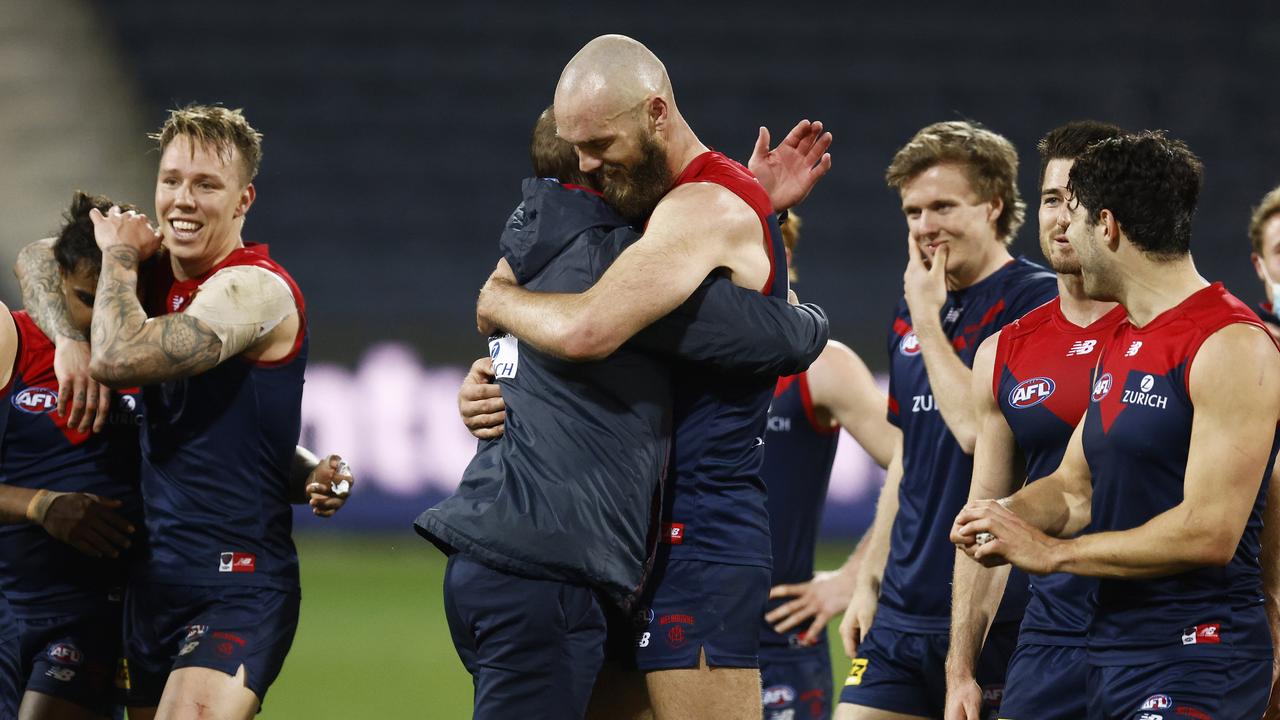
(1133, 349)
(1082, 347)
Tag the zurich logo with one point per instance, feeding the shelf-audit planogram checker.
(1030, 393)
(910, 344)
(1148, 382)
(35, 400)
(1102, 387)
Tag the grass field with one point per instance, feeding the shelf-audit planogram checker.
(373, 642)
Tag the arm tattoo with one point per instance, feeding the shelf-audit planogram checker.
(41, 282)
(129, 349)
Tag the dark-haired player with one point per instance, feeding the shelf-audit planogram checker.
(1169, 465)
(70, 504)
(1031, 385)
(958, 187)
(805, 418)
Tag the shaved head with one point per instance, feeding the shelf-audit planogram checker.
(610, 75)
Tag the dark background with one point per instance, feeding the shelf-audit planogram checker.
(396, 133)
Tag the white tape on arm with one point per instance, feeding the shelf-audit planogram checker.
(241, 304)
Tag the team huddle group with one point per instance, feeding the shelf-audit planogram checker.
(153, 388)
(1078, 455)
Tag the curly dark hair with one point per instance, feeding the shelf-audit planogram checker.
(1149, 182)
(1068, 142)
(75, 247)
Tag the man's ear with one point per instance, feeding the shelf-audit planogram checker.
(247, 197)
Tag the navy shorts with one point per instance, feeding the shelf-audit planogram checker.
(170, 627)
(697, 606)
(796, 683)
(1046, 682)
(75, 657)
(1199, 689)
(10, 674)
(533, 647)
(903, 672)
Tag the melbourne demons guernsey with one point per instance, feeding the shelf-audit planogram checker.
(1137, 436)
(41, 576)
(716, 506)
(935, 471)
(798, 453)
(1043, 374)
(216, 453)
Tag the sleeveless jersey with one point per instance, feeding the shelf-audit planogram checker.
(1137, 438)
(216, 453)
(715, 509)
(915, 595)
(41, 576)
(1043, 375)
(798, 454)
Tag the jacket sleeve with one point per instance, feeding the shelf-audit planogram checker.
(739, 331)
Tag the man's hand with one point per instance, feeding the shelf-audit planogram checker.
(85, 402)
(87, 523)
(925, 284)
(822, 598)
(964, 700)
(501, 275)
(1011, 539)
(480, 402)
(789, 171)
(858, 617)
(329, 485)
(130, 229)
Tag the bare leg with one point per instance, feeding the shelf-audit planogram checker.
(197, 693)
(705, 692)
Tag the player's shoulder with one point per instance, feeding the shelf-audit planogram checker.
(704, 205)
(1035, 319)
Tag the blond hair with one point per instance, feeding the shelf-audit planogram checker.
(1268, 208)
(216, 127)
(790, 228)
(989, 161)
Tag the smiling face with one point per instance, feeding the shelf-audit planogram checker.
(625, 148)
(941, 207)
(1055, 218)
(201, 199)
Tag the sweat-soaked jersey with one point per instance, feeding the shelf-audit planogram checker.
(41, 576)
(915, 594)
(1137, 437)
(1043, 374)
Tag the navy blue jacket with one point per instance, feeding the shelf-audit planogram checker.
(568, 492)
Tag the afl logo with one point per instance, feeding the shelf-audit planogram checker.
(1030, 393)
(1102, 387)
(910, 344)
(36, 400)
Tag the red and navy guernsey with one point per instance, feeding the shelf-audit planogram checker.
(41, 576)
(1137, 437)
(716, 509)
(1043, 375)
(915, 595)
(798, 454)
(216, 452)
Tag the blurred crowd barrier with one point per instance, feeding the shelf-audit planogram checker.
(396, 421)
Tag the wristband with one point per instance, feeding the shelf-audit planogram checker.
(38, 508)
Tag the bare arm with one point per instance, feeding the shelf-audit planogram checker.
(695, 230)
(1270, 559)
(870, 569)
(844, 391)
(1235, 389)
(83, 401)
(976, 590)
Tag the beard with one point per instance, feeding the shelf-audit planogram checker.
(634, 191)
(1063, 264)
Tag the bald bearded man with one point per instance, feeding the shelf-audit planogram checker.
(706, 214)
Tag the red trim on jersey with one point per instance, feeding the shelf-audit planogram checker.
(807, 401)
(571, 186)
(716, 168)
(893, 405)
(987, 318)
(901, 327)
